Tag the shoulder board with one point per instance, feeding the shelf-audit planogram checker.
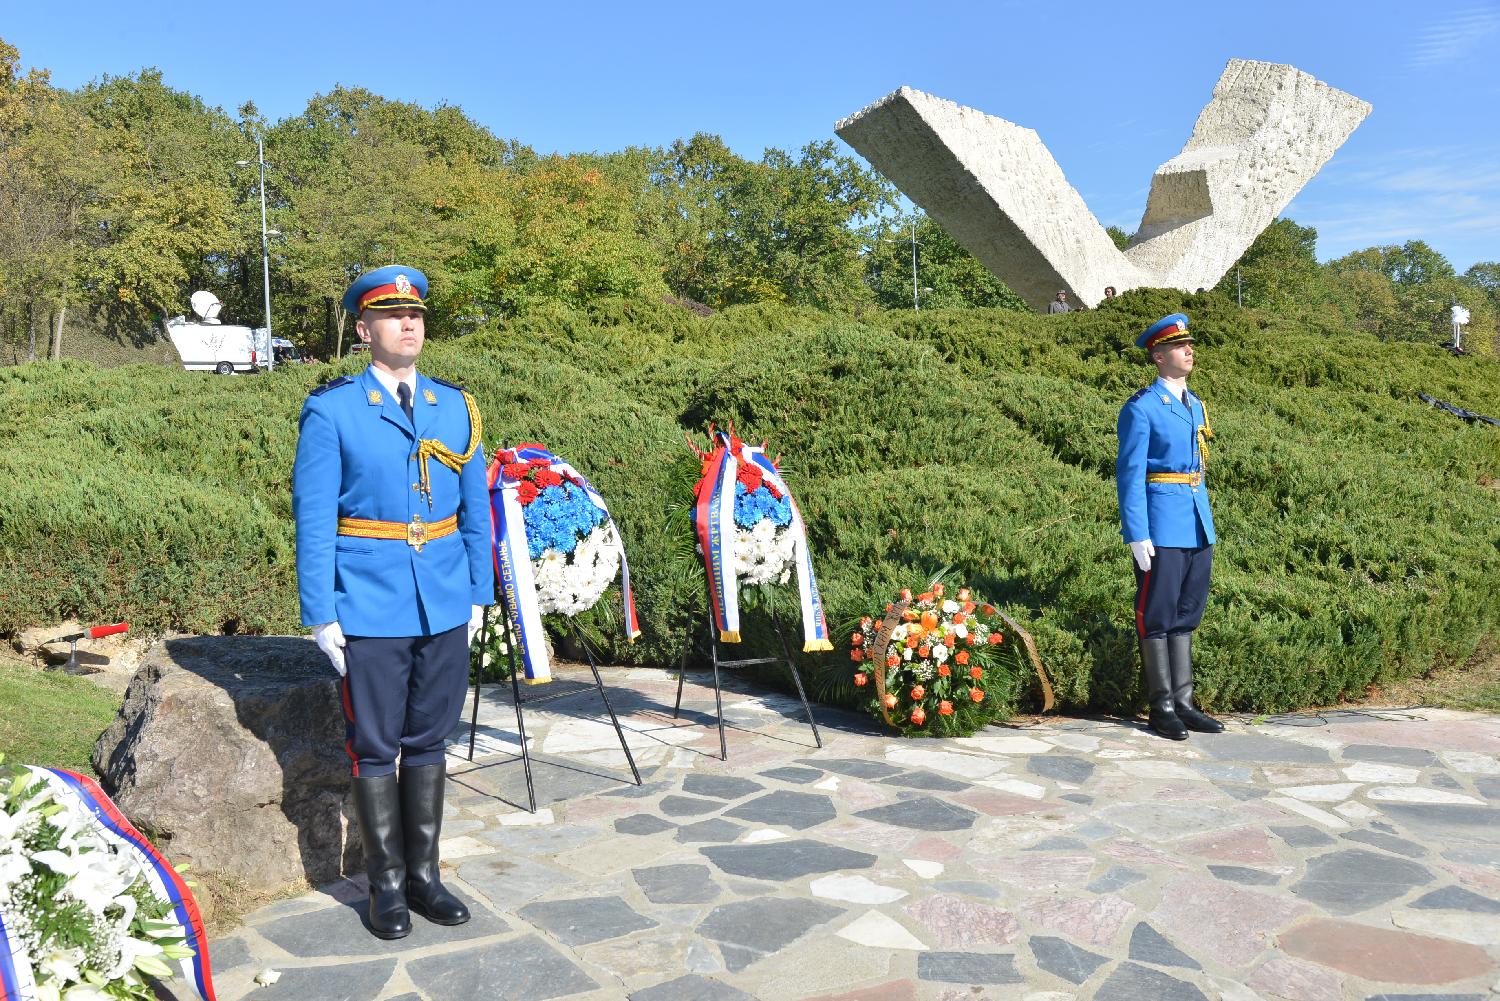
(342, 380)
(1138, 394)
(445, 382)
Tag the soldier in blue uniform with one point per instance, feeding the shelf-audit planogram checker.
(393, 567)
(1160, 476)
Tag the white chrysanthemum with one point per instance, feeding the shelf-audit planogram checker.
(939, 653)
(961, 630)
(950, 606)
(571, 584)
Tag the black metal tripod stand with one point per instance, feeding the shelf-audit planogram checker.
(520, 703)
(713, 647)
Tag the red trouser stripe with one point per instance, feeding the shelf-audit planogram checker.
(1140, 606)
(349, 715)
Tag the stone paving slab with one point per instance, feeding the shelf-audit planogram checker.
(1348, 857)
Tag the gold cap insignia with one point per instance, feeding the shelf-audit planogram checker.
(403, 284)
(427, 395)
(375, 398)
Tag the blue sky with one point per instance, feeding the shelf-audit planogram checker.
(1112, 88)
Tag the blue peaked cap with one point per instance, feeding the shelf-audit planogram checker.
(1168, 330)
(393, 287)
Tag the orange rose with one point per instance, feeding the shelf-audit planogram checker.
(906, 594)
(937, 589)
(989, 609)
(892, 660)
(976, 695)
(857, 639)
(959, 619)
(861, 680)
(944, 670)
(924, 651)
(945, 708)
(996, 639)
(969, 607)
(917, 692)
(856, 655)
(866, 622)
(916, 630)
(911, 642)
(909, 615)
(969, 639)
(890, 700)
(963, 594)
(929, 620)
(918, 716)
(976, 672)
(962, 657)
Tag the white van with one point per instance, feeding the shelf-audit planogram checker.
(206, 345)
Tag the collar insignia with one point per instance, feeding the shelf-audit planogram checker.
(375, 398)
(427, 395)
(1166, 399)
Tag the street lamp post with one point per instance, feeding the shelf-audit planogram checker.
(265, 248)
(914, 305)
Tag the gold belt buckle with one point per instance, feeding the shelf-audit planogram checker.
(416, 533)
(1195, 478)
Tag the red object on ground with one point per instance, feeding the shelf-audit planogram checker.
(98, 632)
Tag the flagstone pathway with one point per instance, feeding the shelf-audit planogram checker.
(1349, 857)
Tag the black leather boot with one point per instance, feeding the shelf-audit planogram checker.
(377, 809)
(1163, 717)
(1180, 653)
(422, 815)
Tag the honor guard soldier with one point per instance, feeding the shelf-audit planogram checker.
(1160, 476)
(393, 567)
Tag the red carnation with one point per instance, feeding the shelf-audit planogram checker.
(526, 492)
(861, 679)
(856, 655)
(857, 639)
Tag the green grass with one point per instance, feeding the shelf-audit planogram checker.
(50, 718)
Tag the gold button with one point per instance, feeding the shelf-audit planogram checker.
(416, 486)
(414, 457)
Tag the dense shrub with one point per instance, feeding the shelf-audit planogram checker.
(1360, 529)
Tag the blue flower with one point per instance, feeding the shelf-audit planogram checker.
(558, 518)
(754, 506)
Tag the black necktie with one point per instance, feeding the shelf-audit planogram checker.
(1185, 403)
(403, 392)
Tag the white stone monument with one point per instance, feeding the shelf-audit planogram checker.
(994, 187)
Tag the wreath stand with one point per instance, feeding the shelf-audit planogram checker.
(520, 703)
(713, 647)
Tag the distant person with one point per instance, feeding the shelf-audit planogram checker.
(1160, 478)
(393, 564)
(1109, 291)
(1060, 304)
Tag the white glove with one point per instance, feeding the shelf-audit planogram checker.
(330, 639)
(476, 621)
(1143, 551)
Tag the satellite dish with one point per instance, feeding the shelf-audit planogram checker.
(207, 306)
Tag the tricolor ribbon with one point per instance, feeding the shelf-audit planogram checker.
(713, 522)
(16, 980)
(513, 569)
(163, 879)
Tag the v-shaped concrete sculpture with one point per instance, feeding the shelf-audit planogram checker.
(994, 187)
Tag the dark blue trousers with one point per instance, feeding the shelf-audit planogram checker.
(1169, 598)
(403, 694)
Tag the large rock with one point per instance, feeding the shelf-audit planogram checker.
(229, 751)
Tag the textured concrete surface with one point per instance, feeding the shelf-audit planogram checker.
(997, 190)
(1072, 859)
